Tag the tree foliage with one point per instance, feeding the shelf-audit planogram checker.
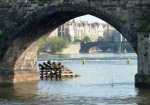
(57, 44)
(54, 44)
(87, 39)
(69, 38)
(100, 39)
(77, 40)
(107, 36)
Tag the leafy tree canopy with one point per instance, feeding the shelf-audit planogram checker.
(54, 44)
(87, 39)
(100, 39)
(77, 40)
(107, 36)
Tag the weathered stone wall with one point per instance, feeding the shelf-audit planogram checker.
(125, 16)
(25, 26)
(142, 78)
(72, 49)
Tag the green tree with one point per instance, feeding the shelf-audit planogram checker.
(54, 44)
(87, 39)
(77, 40)
(57, 44)
(100, 39)
(69, 38)
(108, 36)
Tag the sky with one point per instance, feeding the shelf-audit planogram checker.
(89, 18)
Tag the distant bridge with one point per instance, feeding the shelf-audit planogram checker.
(114, 46)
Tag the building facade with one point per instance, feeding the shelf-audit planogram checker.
(79, 30)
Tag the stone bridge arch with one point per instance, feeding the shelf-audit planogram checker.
(33, 28)
(85, 47)
(126, 47)
(22, 37)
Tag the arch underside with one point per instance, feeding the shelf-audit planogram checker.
(102, 46)
(22, 50)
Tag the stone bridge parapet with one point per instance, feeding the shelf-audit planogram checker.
(115, 47)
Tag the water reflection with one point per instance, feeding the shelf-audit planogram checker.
(143, 96)
(92, 88)
(21, 91)
(41, 92)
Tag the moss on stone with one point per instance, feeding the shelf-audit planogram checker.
(145, 27)
(1, 32)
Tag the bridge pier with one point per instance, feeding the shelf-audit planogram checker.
(18, 76)
(142, 78)
(19, 63)
(118, 47)
(18, 71)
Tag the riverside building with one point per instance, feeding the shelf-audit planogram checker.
(81, 29)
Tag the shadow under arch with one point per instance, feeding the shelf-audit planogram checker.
(32, 29)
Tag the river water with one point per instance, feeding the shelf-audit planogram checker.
(93, 87)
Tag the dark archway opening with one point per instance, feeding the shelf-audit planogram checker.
(21, 52)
